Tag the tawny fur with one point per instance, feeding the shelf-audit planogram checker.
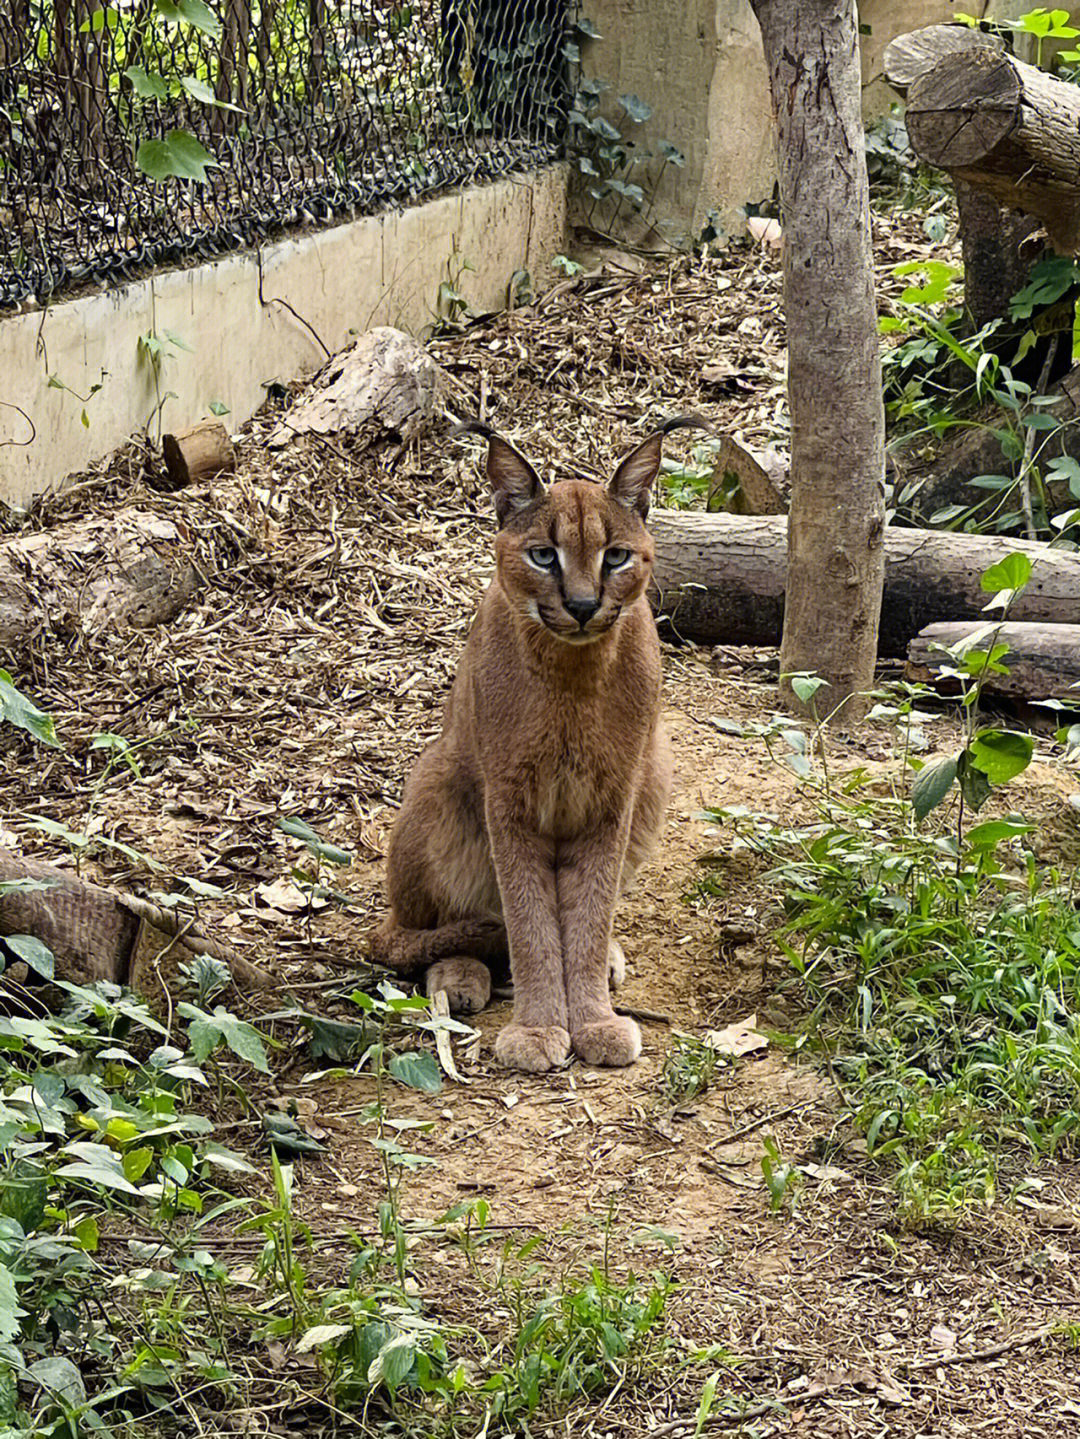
(547, 787)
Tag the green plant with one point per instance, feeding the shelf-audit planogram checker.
(689, 1067)
(780, 1176)
(16, 709)
(609, 161)
(590, 1334)
(941, 965)
(923, 395)
(988, 757)
(1040, 23)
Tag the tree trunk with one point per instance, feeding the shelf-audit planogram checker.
(1006, 128)
(721, 578)
(316, 51)
(1043, 660)
(836, 552)
(231, 85)
(909, 57)
(999, 248)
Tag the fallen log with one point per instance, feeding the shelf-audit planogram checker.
(1007, 128)
(131, 568)
(385, 383)
(999, 246)
(200, 453)
(1043, 660)
(720, 578)
(97, 933)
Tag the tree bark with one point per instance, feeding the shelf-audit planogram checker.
(130, 568)
(385, 382)
(1043, 660)
(721, 579)
(231, 84)
(1008, 129)
(836, 552)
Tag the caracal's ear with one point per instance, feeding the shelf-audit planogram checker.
(631, 484)
(514, 482)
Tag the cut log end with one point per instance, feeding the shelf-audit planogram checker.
(1005, 127)
(910, 56)
(199, 453)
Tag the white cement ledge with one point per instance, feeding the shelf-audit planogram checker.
(381, 270)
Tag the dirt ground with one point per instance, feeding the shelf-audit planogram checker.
(305, 681)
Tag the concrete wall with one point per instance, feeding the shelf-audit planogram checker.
(383, 270)
(700, 66)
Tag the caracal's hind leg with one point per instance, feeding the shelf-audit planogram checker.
(466, 982)
(616, 959)
(444, 917)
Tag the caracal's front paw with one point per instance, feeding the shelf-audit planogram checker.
(616, 961)
(466, 981)
(615, 1041)
(533, 1048)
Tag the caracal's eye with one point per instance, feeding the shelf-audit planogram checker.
(614, 559)
(543, 557)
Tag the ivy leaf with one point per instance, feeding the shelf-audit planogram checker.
(24, 714)
(97, 1165)
(60, 1379)
(193, 12)
(9, 1307)
(147, 87)
(805, 687)
(1011, 573)
(319, 1335)
(393, 1362)
(207, 1031)
(24, 1195)
(32, 952)
(932, 784)
(179, 156)
(286, 1136)
(635, 107)
(418, 1071)
(986, 836)
(298, 829)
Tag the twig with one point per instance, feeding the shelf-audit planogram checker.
(759, 1124)
(992, 1351)
(759, 1411)
(648, 1016)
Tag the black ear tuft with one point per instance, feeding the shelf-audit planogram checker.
(632, 482)
(513, 480)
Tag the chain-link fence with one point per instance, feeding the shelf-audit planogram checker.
(291, 111)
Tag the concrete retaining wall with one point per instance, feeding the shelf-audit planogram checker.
(701, 68)
(382, 270)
